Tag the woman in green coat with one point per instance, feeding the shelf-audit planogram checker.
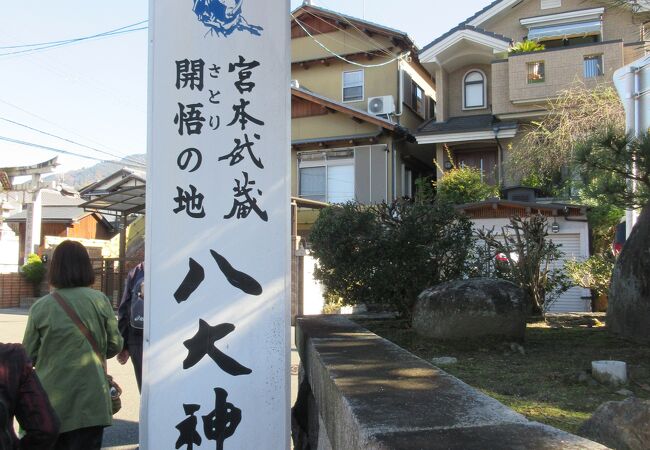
(69, 369)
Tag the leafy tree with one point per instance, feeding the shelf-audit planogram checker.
(593, 273)
(389, 253)
(461, 185)
(526, 46)
(610, 160)
(33, 271)
(527, 259)
(546, 148)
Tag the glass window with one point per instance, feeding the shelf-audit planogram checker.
(312, 183)
(332, 183)
(432, 109)
(353, 86)
(565, 30)
(593, 66)
(417, 102)
(340, 183)
(535, 72)
(474, 90)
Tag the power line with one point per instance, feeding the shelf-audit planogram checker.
(367, 66)
(64, 152)
(378, 47)
(8, 47)
(56, 125)
(125, 158)
(74, 41)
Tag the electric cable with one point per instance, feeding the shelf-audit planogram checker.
(124, 158)
(75, 41)
(10, 47)
(64, 152)
(367, 66)
(359, 30)
(379, 48)
(56, 125)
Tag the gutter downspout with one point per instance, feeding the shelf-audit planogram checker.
(386, 151)
(394, 171)
(496, 129)
(631, 215)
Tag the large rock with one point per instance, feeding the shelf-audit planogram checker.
(620, 425)
(471, 308)
(628, 311)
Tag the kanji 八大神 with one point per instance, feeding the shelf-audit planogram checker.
(203, 343)
(188, 435)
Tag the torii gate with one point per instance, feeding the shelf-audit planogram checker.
(33, 199)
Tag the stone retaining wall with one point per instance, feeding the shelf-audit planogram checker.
(360, 391)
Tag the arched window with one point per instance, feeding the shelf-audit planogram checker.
(474, 90)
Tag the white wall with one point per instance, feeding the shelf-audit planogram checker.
(574, 299)
(312, 289)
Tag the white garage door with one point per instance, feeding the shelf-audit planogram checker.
(576, 299)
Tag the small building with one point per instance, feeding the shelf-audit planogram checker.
(62, 217)
(568, 228)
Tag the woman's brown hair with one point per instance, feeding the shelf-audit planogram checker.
(70, 266)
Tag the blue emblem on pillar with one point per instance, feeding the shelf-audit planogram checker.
(223, 17)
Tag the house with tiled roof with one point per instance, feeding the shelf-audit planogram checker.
(485, 96)
(61, 216)
(358, 93)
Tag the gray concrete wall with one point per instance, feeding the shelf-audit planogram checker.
(360, 391)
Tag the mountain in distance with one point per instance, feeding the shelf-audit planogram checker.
(83, 177)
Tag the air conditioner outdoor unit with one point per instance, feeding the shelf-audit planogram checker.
(295, 84)
(381, 105)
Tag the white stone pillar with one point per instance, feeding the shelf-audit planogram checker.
(216, 355)
(33, 219)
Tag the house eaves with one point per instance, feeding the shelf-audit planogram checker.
(345, 109)
(466, 128)
(463, 32)
(554, 208)
(53, 214)
(118, 175)
(499, 6)
(350, 138)
(361, 23)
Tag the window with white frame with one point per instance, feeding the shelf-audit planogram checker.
(548, 4)
(474, 90)
(353, 86)
(593, 65)
(327, 177)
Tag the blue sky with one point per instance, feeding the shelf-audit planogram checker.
(95, 92)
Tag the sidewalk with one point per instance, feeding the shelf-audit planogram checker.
(123, 435)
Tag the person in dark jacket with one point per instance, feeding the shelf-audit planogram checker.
(130, 321)
(23, 397)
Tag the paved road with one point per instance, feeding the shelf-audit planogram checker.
(123, 434)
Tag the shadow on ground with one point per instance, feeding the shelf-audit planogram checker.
(122, 433)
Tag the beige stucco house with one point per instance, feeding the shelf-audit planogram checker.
(358, 94)
(486, 97)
